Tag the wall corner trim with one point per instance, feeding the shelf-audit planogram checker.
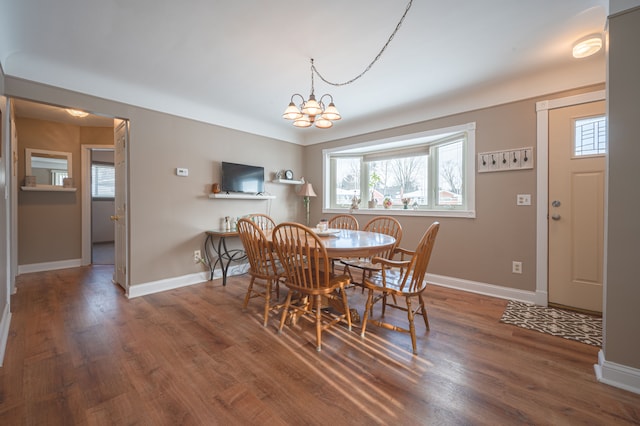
(617, 375)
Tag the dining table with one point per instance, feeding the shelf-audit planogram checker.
(339, 243)
(351, 243)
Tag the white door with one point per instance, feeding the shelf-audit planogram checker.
(121, 141)
(577, 149)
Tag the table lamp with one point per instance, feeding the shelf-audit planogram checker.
(307, 191)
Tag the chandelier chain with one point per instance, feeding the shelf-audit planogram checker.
(314, 69)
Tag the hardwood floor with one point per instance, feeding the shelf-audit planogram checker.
(79, 352)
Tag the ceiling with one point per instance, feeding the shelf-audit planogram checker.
(236, 64)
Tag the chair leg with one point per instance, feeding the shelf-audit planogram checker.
(318, 322)
(412, 327)
(384, 303)
(368, 307)
(267, 302)
(345, 303)
(248, 295)
(424, 311)
(285, 311)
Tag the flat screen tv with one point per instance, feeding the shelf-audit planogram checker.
(242, 178)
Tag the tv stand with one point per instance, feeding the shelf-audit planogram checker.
(239, 196)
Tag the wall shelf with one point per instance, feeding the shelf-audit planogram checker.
(48, 188)
(242, 196)
(288, 181)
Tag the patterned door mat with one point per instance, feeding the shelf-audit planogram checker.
(557, 322)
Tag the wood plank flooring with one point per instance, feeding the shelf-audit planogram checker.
(80, 353)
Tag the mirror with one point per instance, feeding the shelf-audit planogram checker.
(50, 168)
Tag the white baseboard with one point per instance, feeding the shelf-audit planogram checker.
(166, 284)
(183, 281)
(5, 322)
(617, 375)
(49, 266)
(482, 288)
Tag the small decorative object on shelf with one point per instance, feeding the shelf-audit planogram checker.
(67, 182)
(405, 203)
(415, 205)
(387, 203)
(30, 181)
(355, 203)
(288, 174)
(215, 188)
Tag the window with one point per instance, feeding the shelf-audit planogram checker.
(430, 173)
(590, 136)
(103, 180)
(58, 176)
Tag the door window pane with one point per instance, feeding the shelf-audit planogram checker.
(590, 136)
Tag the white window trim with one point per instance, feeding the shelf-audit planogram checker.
(470, 174)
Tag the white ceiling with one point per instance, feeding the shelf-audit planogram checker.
(237, 63)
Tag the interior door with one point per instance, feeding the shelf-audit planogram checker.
(577, 149)
(121, 141)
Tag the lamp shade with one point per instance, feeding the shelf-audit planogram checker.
(302, 121)
(292, 112)
(331, 113)
(323, 123)
(311, 107)
(307, 190)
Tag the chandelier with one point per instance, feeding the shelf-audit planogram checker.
(312, 111)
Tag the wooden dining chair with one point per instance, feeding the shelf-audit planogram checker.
(306, 264)
(264, 222)
(404, 278)
(264, 268)
(343, 221)
(382, 225)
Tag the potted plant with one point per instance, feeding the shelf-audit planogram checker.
(374, 179)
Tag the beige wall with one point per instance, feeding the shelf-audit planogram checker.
(622, 288)
(49, 223)
(169, 214)
(480, 249)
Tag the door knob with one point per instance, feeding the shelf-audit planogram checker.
(555, 203)
(114, 218)
(555, 217)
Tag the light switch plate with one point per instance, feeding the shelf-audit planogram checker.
(182, 172)
(523, 199)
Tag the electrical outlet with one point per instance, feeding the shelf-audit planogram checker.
(516, 267)
(196, 256)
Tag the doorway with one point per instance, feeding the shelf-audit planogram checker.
(544, 210)
(577, 163)
(102, 184)
(95, 128)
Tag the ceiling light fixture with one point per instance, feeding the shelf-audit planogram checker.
(587, 46)
(76, 113)
(311, 111)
